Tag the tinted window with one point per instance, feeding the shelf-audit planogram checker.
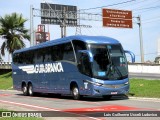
(56, 53)
(47, 54)
(68, 53)
(78, 45)
(84, 64)
(28, 58)
(23, 58)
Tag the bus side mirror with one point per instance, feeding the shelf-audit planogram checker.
(87, 53)
(81, 58)
(131, 54)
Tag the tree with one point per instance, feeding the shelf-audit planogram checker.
(12, 30)
(0, 58)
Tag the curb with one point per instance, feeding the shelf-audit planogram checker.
(145, 99)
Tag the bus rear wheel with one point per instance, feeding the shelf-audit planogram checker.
(75, 93)
(24, 89)
(30, 90)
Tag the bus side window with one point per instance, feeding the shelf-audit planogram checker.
(39, 56)
(15, 58)
(29, 57)
(84, 64)
(68, 53)
(47, 54)
(54, 56)
(78, 45)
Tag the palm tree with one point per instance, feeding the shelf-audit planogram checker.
(12, 30)
(0, 58)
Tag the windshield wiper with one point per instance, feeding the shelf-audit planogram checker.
(118, 72)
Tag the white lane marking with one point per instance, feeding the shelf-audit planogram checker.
(27, 105)
(45, 108)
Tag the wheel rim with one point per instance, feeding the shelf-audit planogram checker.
(75, 92)
(30, 90)
(24, 89)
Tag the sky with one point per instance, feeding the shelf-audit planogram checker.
(149, 10)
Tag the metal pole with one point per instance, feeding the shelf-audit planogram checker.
(64, 22)
(78, 28)
(61, 31)
(31, 26)
(141, 39)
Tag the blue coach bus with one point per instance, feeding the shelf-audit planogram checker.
(74, 65)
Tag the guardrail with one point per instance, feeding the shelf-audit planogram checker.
(5, 65)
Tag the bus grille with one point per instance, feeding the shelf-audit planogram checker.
(114, 86)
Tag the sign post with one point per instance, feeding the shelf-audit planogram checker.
(117, 18)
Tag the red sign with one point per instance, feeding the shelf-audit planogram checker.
(117, 18)
(118, 23)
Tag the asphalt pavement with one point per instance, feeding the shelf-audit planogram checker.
(88, 108)
(147, 76)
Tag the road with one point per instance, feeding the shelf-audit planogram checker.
(150, 76)
(69, 109)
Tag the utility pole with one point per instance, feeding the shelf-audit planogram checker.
(31, 26)
(141, 39)
(63, 24)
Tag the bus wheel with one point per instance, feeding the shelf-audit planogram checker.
(75, 93)
(30, 90)
(24, 90)
(107, 97)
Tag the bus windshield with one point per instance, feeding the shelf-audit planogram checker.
(109, 62)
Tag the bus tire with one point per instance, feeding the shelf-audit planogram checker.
(30, 90)
(25, 89)
(107, 97)
(75, 92)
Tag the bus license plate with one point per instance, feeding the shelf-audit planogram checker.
(113, 93)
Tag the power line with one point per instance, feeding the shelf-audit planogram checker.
(109, 5)
(146, 9)
(132, 4)
(153, 7)
(158, 20)
(147, 3)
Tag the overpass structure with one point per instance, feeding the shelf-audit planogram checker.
(5, 65)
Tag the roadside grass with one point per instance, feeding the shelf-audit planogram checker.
(17, 118)
(6, 81)
(145, 88)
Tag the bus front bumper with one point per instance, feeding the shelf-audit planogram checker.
(110, 90)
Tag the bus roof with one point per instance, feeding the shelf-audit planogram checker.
(84, 38)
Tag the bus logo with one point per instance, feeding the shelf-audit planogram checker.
(43, 68)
